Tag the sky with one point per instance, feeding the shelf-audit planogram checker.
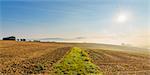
(92, 21)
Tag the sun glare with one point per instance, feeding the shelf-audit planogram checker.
(122, 18)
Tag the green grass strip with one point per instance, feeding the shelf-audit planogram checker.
(76, 62)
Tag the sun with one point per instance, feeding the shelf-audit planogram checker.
(122, 17)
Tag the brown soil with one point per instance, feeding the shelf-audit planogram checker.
(17, 58)
(23, 58)
(120, 63)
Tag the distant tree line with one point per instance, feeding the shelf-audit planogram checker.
(21, 39)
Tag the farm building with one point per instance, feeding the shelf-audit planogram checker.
(9, 38)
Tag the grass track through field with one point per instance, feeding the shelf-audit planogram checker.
(76, 62)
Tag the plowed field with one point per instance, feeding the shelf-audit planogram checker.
(26, 58)
(29, 58)
(120, 63)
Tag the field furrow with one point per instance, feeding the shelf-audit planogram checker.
(120, 63)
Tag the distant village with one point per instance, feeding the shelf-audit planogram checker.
(13, 38)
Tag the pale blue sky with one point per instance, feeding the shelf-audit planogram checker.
(71, 19)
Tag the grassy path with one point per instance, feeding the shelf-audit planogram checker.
(76, 62)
